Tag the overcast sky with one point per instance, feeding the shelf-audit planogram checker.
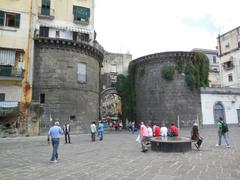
(143, 27)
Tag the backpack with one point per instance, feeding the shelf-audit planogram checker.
(224, 128)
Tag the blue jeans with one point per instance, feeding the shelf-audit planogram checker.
(225, 136)
(55, 144)
(100, 133)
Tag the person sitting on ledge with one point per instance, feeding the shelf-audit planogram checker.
(173, 130)
(156, 131)
(195, 136)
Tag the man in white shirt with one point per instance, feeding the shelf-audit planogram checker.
(93, 130)
(150, 131)
(164, 131)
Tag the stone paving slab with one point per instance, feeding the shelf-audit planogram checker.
(118, 157)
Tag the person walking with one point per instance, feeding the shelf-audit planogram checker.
(222, 131)
(143, 136)
(195, 136)
(54, 135)
(93, 131)
(66, 130)
(100, 130)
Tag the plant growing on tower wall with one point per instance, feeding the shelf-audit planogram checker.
(126, 88)
(196, 70)
(168, 72)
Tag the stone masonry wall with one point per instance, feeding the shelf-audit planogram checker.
(55, 75)
(159, 100)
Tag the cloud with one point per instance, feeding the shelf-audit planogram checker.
(206, 22)
(143, 27)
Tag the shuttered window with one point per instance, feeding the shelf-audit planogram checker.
(2, 15)
(46, 4)
(9, 19)
(7, 57)
(82, 72)
(81, 13)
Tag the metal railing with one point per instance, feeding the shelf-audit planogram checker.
(11, 71)
(9, 108)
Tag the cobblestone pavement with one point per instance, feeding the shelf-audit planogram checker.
(118, 156)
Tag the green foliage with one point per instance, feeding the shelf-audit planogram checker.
(168, 72)
(180, 65)
(126, 88)
(196, 70)
(140, 71)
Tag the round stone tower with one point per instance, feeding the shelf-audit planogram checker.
(66, 81)
(159, 100)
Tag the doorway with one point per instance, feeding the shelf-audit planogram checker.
(218, 111)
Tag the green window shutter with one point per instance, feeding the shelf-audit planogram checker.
(46, 4)
(75, 12)
(83, 13)
(2, 14)
(17, 20)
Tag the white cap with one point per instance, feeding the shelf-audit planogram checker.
(195, 124)
(56, 123)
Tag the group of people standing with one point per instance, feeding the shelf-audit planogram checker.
(56, 131)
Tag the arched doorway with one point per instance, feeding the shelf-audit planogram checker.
(219, 111)
(111, 106)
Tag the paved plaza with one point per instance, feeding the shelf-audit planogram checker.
(118, 156)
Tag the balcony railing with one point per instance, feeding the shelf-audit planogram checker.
(45, 13)
(9, 108)
(11, 71)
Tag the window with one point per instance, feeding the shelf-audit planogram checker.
(72, 117)
(2, 97)
(214, 59)
(9, 19)
(7, 57)
(113, 68)
(44, 32)
(227, 45)
(80, 36)
(57, 34)
(74, 36)
(45, 7)
(42, 98)
(228, 65)
(81, 72)
(230, 78)
(81, 13)
(84, 37)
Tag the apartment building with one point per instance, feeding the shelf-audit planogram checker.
(16, 47)
(229, 53)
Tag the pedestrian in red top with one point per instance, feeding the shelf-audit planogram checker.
(156, 131)
(173, 130)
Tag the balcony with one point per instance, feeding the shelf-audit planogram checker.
(9, 108)
(8, 72)
(45, 13)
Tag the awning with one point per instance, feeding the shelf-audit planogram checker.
(8, 104)
(66, 28)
